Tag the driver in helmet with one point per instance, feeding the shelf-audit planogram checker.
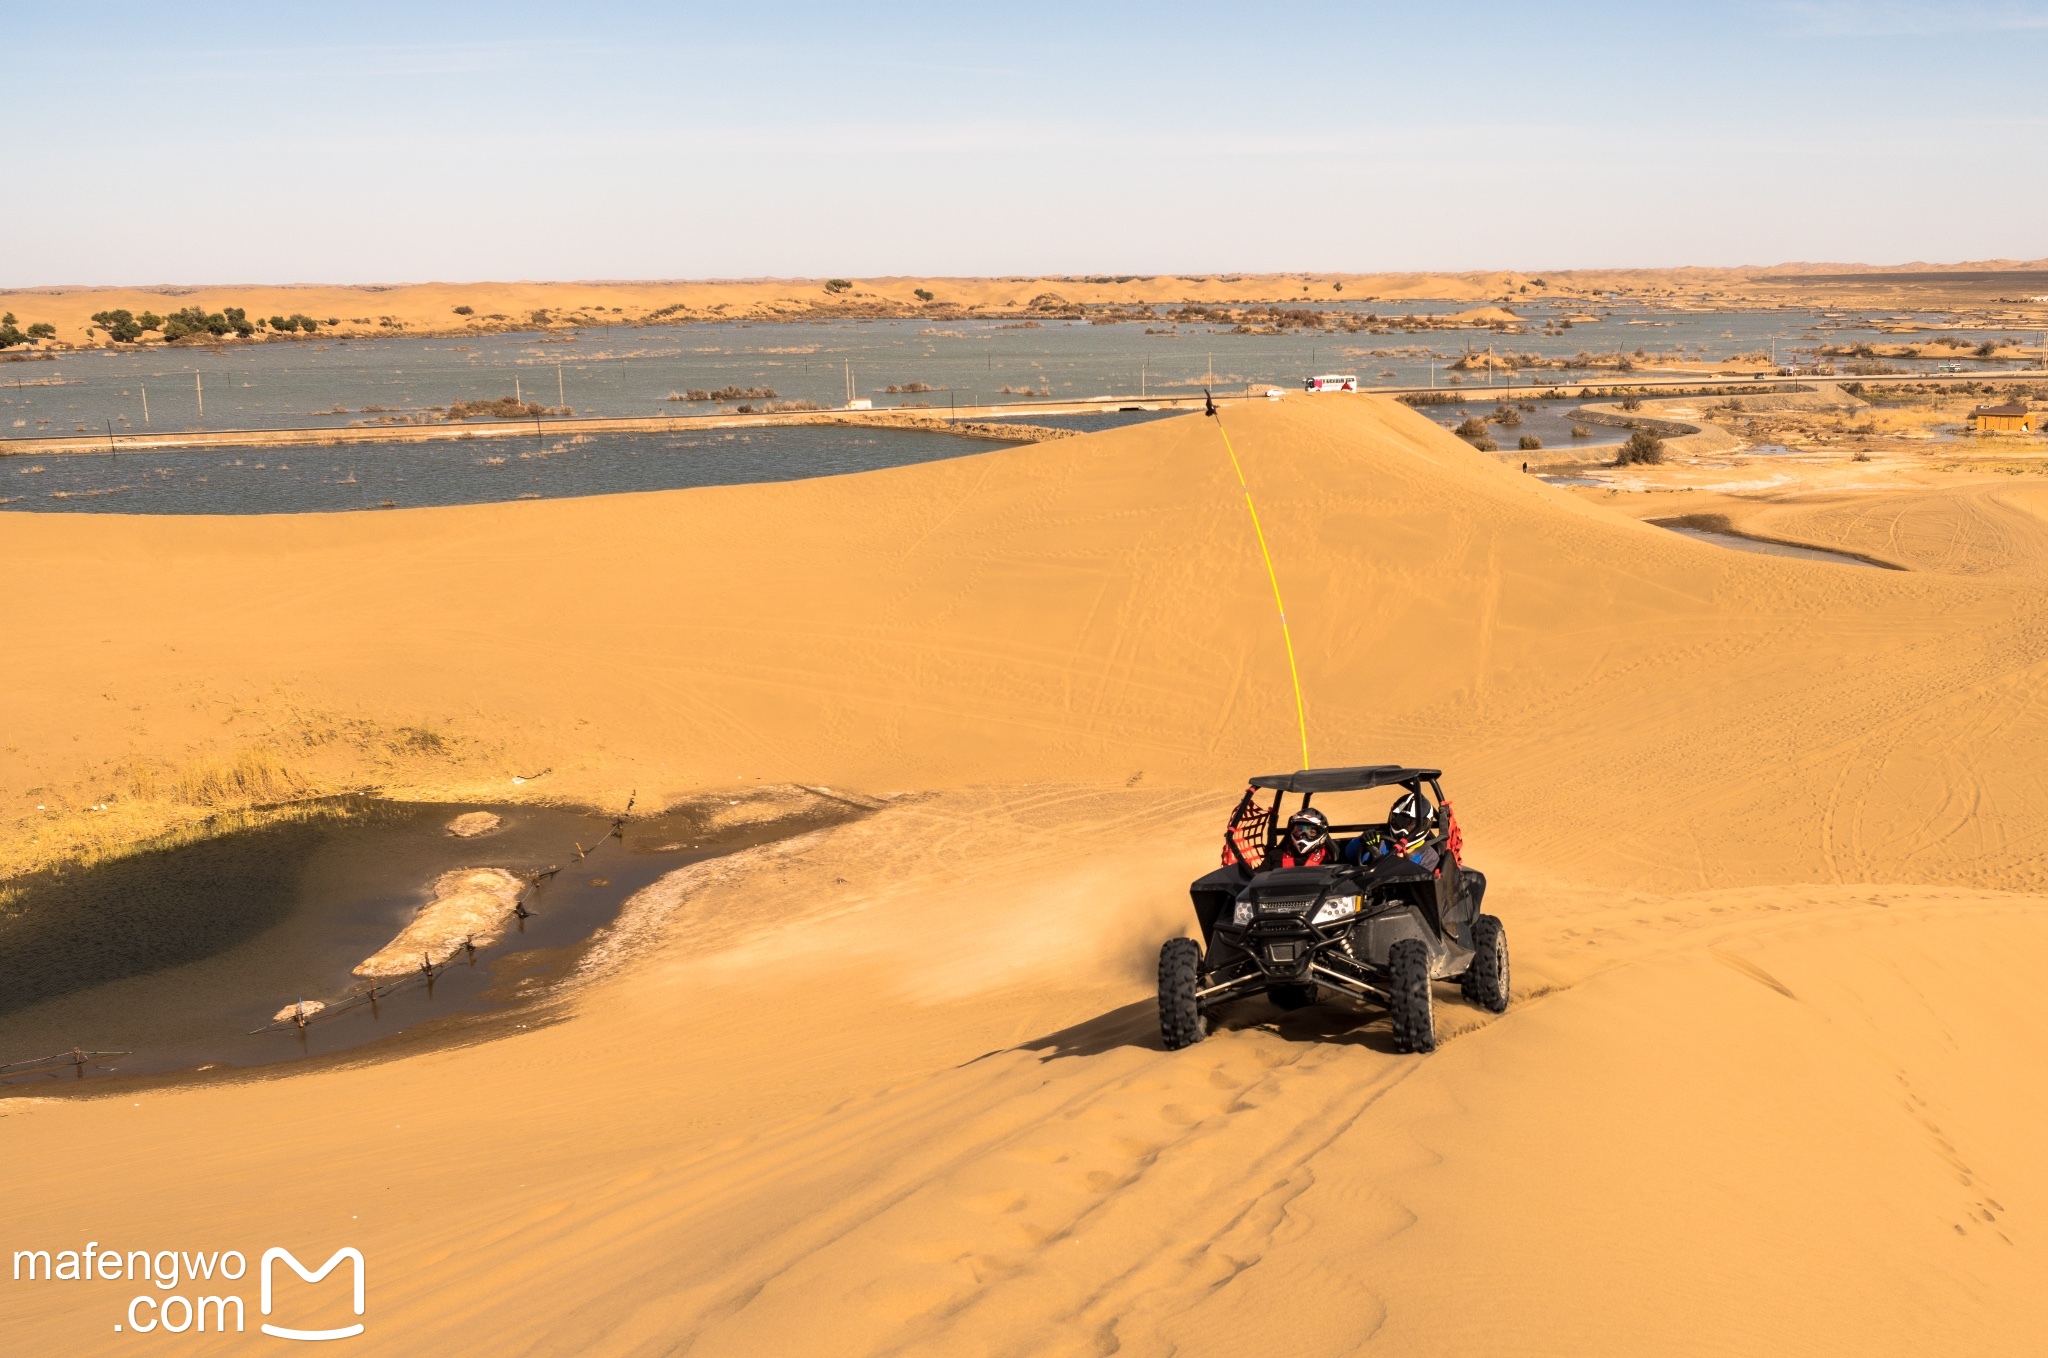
(1306, 843)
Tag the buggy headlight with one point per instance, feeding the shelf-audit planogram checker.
(1243, 914)
(1336, 908)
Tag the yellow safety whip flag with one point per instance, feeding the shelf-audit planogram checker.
(1300, 711)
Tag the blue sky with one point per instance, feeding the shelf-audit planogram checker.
(383, 142)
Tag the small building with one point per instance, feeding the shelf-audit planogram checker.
(2005, 419)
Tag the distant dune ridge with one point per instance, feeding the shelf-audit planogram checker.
(344, 311)
(1767, 836)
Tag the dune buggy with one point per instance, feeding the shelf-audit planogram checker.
(1389, 910)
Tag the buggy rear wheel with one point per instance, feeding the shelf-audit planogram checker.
(1409, 999)
(1486, 981)
(1181, 1023)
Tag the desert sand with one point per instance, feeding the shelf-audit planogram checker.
(1767, 836)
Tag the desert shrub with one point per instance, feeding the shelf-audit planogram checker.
(1987, 348)
(1472, 428)
(1529, 443)
(1579, 431)
(503, 408)
(1631, 402)
(119, 325)
(538, 316)
(1860, 456)
(1486, 445)
(1853, 388)
(193, 321)
(1642, 446)
(238, 320)
(417, 740)
(1506, 416)
(42, 330)
(1336, 287)
(793, 405)
(923, 294)
(10, 334)
(908, 387)
(838, 284)
(284, 322)
(465, 311)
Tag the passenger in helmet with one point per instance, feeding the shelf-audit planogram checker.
(1306, 843)
(1409, 822)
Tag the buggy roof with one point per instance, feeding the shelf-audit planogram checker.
(1359, 779)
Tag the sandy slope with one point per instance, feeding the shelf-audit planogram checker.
(1761, 831)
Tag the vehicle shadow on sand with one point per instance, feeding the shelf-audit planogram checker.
(1137, 1025)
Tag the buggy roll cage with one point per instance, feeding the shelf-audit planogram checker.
(1252, 825)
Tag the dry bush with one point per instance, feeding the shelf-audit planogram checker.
(1472, 428)
(1529, 443)
(1642, 447)
(503, 408)
(255, 777)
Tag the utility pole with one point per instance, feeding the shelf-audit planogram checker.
(200, 387)
(145, 405)
(560, 399)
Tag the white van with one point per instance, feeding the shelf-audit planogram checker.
(1332, 382)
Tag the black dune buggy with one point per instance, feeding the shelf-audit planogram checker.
(1392, 909)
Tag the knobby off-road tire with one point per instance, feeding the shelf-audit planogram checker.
(1486, 981)
(1180, 1018)
(1409, 998)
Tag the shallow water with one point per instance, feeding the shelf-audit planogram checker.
(631, 370)
(291, 480)
(178, 956)
(1550, 421)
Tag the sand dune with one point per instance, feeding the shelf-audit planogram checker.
(1763, 833)
(430, 308)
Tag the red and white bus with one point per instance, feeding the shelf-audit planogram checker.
(1332, 382)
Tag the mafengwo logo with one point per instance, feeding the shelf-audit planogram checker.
(211, 1309)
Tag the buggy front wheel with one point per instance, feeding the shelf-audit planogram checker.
(1409, 1000)
(1181, 1023)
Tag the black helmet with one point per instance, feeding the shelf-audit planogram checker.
(1410, 816)
(1308, 829)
